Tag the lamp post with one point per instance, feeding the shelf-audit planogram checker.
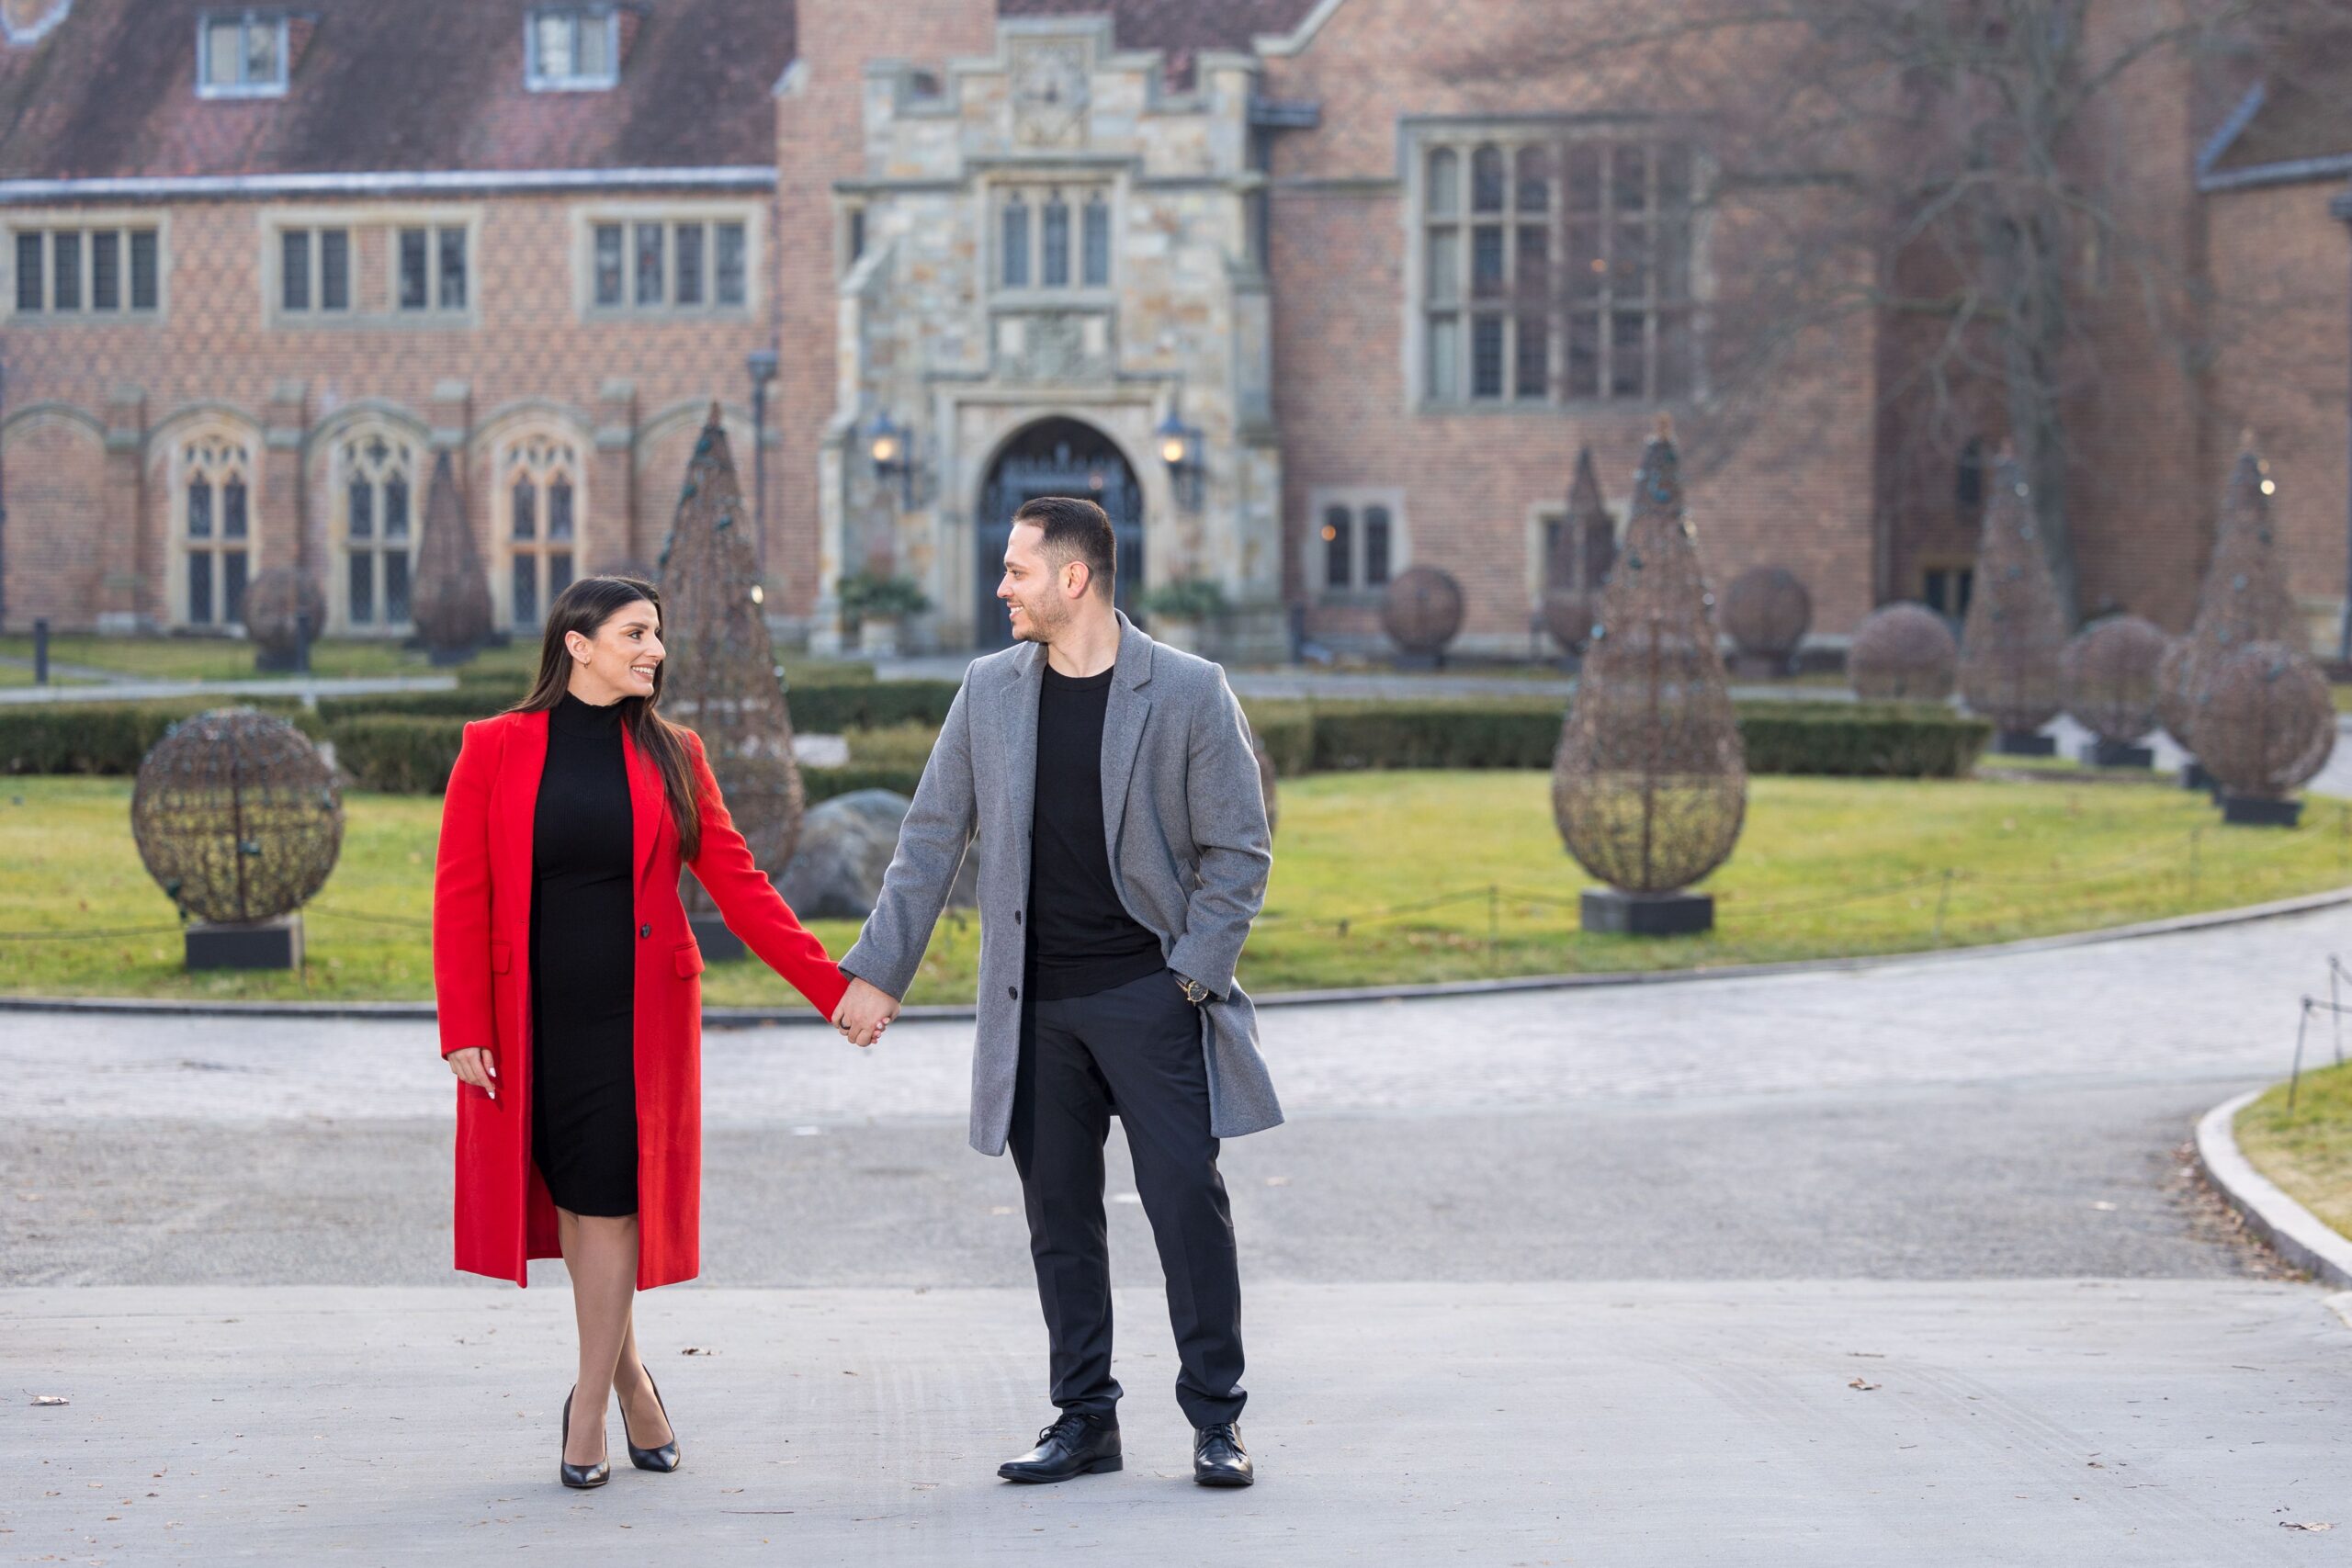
(888, 444)
(1180, 448)
(762, 362)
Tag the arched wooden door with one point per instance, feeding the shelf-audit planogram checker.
(1053, 457)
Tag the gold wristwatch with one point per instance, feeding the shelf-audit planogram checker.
(1194, 992)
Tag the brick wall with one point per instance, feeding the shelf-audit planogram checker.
(1796, 490)
(2283, 265)
(526, 357)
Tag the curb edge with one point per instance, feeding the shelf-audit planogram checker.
(2293, 1230)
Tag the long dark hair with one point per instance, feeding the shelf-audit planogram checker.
(583, 608)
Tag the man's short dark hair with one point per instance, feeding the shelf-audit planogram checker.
(1076, 529)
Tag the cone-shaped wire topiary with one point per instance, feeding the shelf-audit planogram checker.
(2245, 598)
(1650, 786)
(2110, 675)
(720, 679)
(1579, 567)
(450, 602)
(2016, 630)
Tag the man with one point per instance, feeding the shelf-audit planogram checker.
(1111, 782)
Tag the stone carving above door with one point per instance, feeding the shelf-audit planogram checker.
(1054, 345)
(1048, 89)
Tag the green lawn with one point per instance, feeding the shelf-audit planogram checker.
(2307, 1151)
(1405, 860)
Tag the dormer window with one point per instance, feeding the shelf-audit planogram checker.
(572, 48)
(240, 55)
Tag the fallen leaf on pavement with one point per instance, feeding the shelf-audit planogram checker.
(1862, 1384)
(50, 1399)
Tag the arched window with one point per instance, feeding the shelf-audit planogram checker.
(375, 499)
(213, 524)
(539, 493)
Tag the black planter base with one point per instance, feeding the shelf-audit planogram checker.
(2025, 743)
(1611, 911)
(2118, 754)
(1419, 661)
(258, 945)
(719, 944)
(2253, 811)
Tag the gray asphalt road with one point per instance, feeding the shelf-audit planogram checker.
(1897, 1265)
(1983, 1181)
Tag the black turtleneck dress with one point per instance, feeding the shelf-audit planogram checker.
(584, 1072)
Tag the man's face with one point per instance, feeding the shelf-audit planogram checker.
(1033, 587)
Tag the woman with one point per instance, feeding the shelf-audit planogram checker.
(570, 1010)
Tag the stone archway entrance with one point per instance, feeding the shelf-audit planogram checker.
(1052, 457)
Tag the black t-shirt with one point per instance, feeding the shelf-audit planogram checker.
(1081, 939)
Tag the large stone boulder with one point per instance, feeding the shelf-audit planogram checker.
(845, 847)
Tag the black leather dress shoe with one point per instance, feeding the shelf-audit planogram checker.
(580, 1477)
(1219, 1458)
(663, 1457)
(1075, 1444)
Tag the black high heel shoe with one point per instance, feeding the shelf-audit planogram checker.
(663, 1459)
(582, 1477)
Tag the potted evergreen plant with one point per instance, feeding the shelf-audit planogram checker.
(878, 602)
(1178, 610)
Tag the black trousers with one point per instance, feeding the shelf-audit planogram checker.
(1134, 1051)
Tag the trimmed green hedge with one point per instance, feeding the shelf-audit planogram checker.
(1352, 736)
(823, 783)
(398, 753)
(833, 708)
(817, 708)
(406, 744)
(465, 701)
(1911, 740)
(107, 738)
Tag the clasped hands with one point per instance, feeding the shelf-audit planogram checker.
(865, 1012)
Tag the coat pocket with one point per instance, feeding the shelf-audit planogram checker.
(501, 958)
(688, 958)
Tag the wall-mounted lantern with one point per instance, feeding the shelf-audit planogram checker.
(1180, 448)
(891, 445)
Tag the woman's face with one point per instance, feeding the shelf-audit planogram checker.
(620, 660)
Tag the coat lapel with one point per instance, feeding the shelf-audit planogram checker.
(523, 760)
(1025, 677)
(1123, 719)
(645, 802)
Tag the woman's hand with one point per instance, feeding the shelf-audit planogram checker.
(474, 1066)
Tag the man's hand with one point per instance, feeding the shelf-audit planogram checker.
(865, 1011)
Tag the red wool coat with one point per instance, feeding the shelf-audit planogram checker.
(481, 979)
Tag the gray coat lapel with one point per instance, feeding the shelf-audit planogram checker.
(1025, 675)
(1123, 716)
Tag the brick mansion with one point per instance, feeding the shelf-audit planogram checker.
(1265, 277)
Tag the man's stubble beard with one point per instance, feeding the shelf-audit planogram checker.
(1043, 627)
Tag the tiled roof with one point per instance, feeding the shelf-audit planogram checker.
(1182, 27)
(390, 87)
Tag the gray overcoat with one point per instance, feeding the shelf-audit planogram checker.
(1189, 850)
